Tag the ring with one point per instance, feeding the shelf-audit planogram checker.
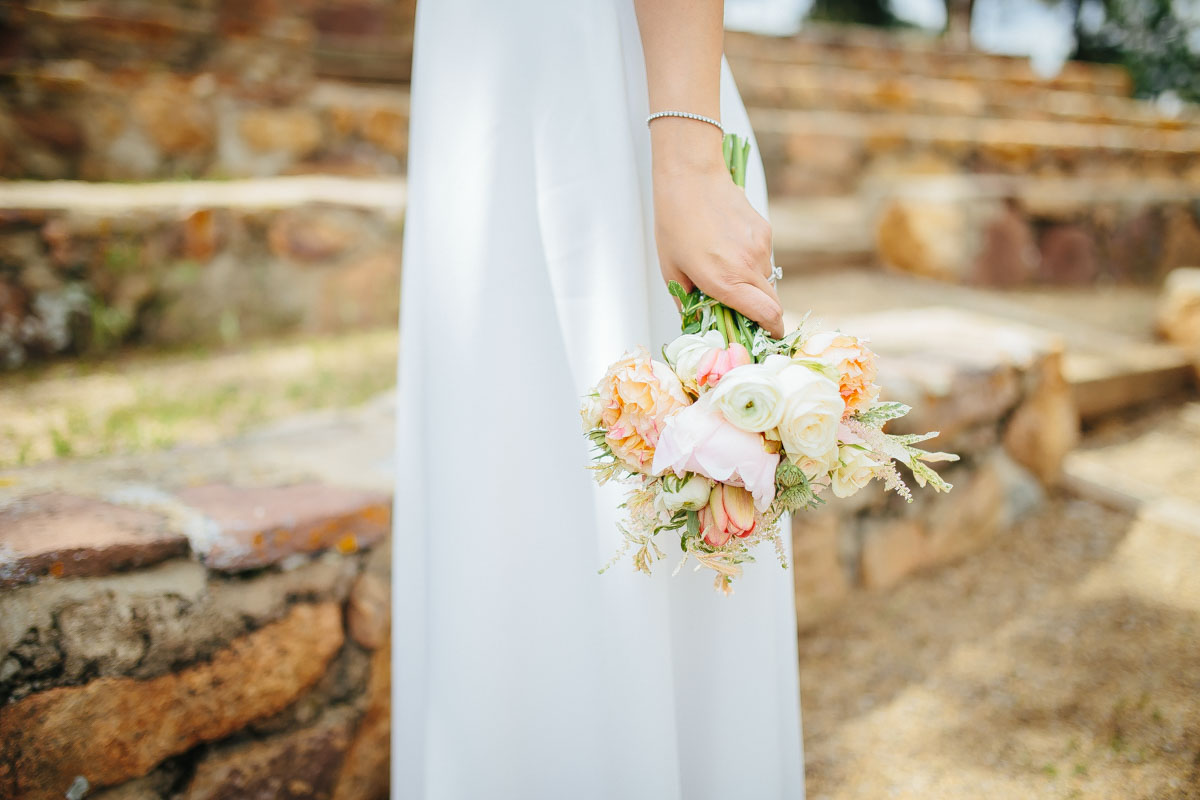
(776, 274)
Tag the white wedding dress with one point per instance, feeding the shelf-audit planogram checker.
(529, 266)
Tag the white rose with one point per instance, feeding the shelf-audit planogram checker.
(590, 411)
(750, 398)
(685, 352)
(855, 470)
(692, 495)
(816, 468)
(812, 409)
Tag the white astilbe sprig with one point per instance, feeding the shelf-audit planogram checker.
(892, 481)
(900, 447)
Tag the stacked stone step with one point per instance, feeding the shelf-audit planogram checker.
(208, 262)
(1059, 180)
(234, 103)
(210, 622)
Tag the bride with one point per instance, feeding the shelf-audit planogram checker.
(545, 213)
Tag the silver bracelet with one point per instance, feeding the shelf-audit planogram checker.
(684, 115)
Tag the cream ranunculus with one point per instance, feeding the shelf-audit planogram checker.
(692, 495)
(855, 470)
(750, 398)
(591, 411)
(817, 468)
(685, 352)
(812, 409)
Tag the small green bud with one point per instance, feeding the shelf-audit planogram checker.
(788, 475)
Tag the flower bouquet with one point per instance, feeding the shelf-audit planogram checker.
(733, 429)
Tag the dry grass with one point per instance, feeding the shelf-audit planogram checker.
(142, 402)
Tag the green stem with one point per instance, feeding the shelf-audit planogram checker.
(719, 320)
(728, 312)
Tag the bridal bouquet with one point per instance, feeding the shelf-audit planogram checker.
(733, 429)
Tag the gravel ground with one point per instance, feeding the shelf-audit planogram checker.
(1016, 673)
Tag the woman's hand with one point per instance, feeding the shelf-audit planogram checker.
(708, 235)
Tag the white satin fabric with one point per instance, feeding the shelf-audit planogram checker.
(529, 266)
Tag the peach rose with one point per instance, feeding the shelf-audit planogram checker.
(637, 394)
(855, 365)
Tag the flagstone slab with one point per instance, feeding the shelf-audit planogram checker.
(249, 528)
(61, 535)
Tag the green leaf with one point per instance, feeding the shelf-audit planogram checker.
(693, 523)
(675, 288)
(820, 367)
(880, 413)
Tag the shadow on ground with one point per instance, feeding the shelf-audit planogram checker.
(1021, 672)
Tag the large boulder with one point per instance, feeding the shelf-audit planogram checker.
(1179, 311)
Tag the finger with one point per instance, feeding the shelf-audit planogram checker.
(763, 237)
(758, 306)
(754, 298)
(764, 285)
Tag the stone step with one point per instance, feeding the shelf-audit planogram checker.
(826, 233)
(770, 84)
(273, 43)
(69, 120)
(1152, 464)
(918, 55)
(87, 267)
(1111, 360)
(217, 602)
(1012, 231)
(823, 152)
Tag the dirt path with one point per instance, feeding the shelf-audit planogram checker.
(1022, 672)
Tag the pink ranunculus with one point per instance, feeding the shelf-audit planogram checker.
(730, 512)
(716, 363)
(698, 438)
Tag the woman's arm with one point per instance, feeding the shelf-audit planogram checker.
(707, 233)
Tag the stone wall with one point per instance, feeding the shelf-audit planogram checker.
(214, 642)
(252, 109)
(996, 392)
(72, 122)
(1019, 232)
(213, 622)
(98, 267)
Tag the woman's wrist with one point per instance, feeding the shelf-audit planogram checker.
(685, 146)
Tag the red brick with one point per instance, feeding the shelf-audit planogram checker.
(259, 527)
(64, 536)
(115, 729)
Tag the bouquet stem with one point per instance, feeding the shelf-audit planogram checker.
(733, 326)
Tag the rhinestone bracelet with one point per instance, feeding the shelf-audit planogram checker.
(685, 115)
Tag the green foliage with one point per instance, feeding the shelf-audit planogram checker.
(861, 12)
(1149, 38)
(880, 413)
(110, 326)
